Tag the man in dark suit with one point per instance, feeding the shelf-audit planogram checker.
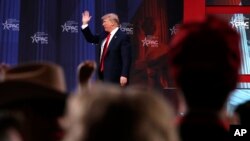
(113, 53)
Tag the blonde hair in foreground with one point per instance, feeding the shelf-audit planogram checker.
(107, 112)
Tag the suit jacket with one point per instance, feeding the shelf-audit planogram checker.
(118, 57)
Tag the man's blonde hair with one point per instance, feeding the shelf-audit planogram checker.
(112, 17)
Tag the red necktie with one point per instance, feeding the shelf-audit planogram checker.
(104, 51)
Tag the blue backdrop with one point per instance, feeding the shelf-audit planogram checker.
(49, 30)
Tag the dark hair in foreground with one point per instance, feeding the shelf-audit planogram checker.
(205, 59)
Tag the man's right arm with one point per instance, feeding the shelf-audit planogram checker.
(85, 17)
(85, 29)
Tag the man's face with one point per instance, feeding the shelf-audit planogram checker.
(107, 25)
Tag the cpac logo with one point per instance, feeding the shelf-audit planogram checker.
(150, 41)
(40, 37)
(240, 132)
(240, 22)
(174, 29)
(70, 26)
(127, 28)
(11, 24)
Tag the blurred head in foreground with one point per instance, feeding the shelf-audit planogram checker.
(204, 59)
(111, 113)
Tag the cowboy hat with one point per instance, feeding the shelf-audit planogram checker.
(33, 84)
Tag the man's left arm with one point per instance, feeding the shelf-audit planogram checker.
(126, 59)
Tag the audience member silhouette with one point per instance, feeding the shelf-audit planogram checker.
(205, 58)
(114, 114)
(37, 92)
(85, 71)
